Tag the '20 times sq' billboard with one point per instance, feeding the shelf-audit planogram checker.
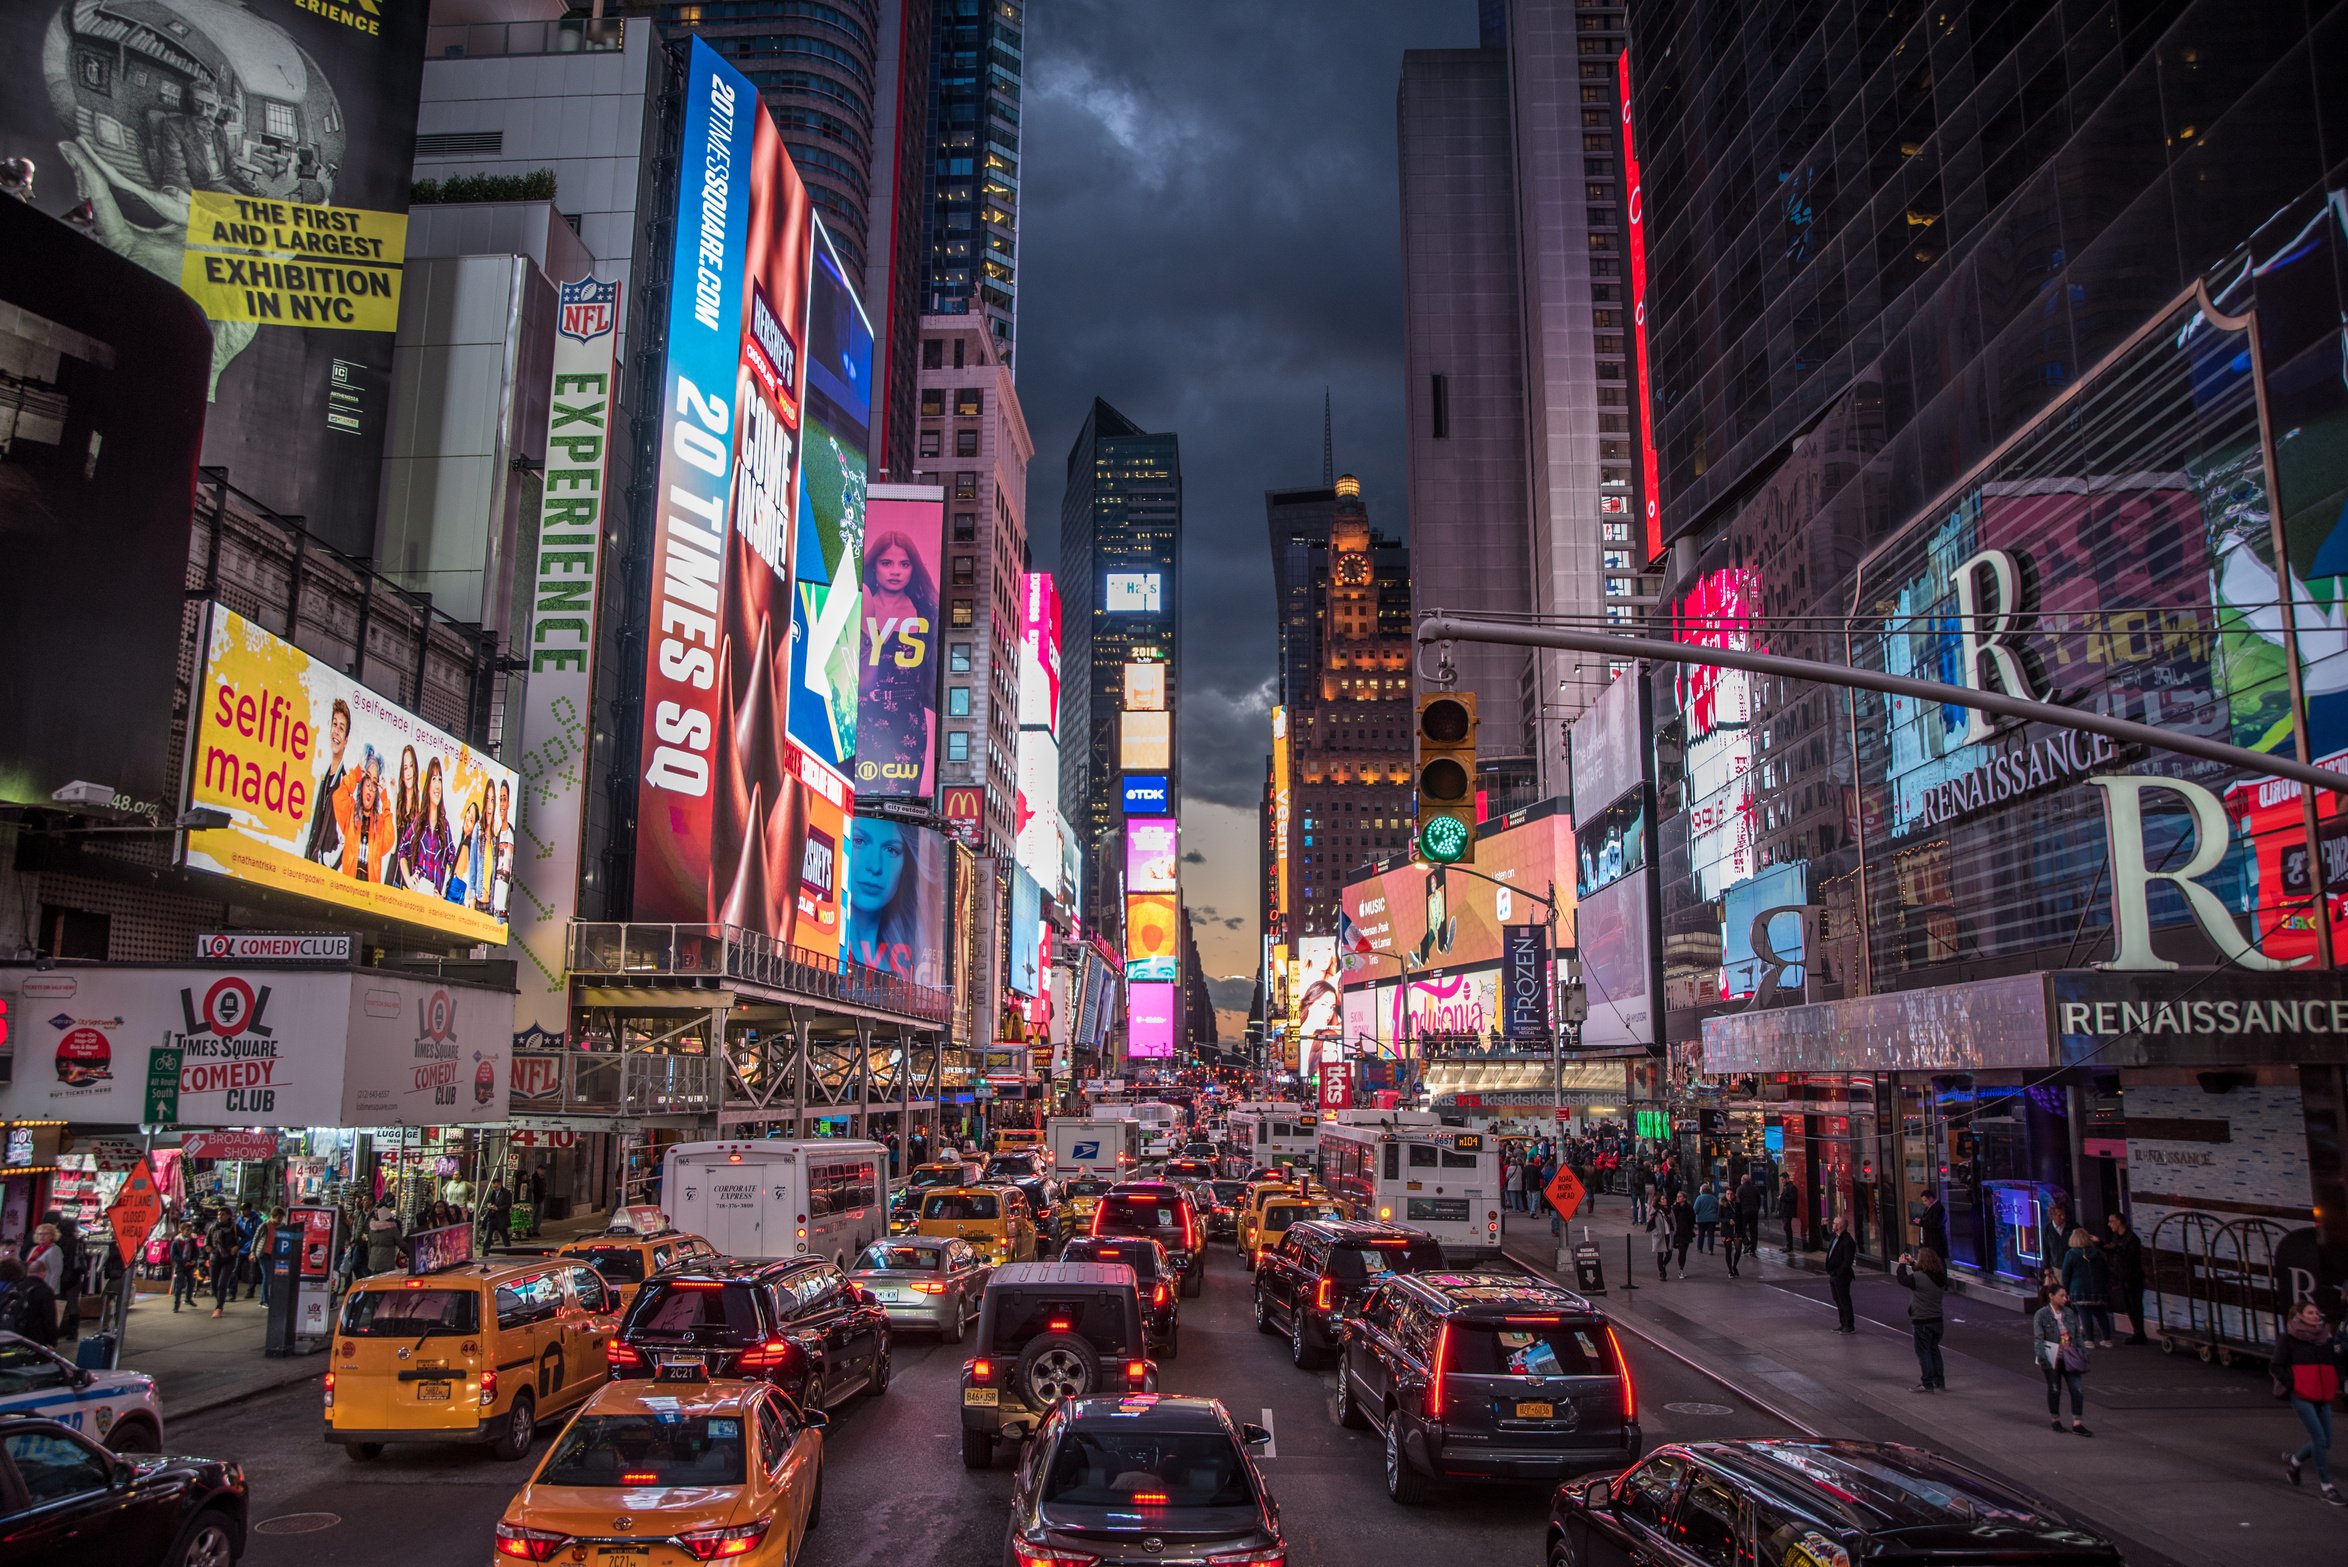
(256, 153)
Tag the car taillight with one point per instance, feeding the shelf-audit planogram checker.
(617, 1355)
(1630, 1395)
(529, 1545)
(1325, 1296)
(488, 1387)
(1027, 1555)
(1275, 1557)
(1442, 1365)
(708, 1545)
(329, 1385)
(1161, 1295)
(772, 1355)
(982, 1371)
(928, 1287)
(1137, 1371)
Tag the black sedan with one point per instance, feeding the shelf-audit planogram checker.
(1799, 1503)
(67, 1502)
(1146, 1477)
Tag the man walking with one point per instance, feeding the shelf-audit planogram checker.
(186, 1248)
(225, 1245)
(1933, 1224)
(1842, 1267)
(1682, 1218)
(1749, 1202)
(497, 1221)
(1789, 1208)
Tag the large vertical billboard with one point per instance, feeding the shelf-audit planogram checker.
(826, 627)
(255, 153)
(1153, 944)
(1039, 653)
(896, 899)
(1153, 853)
(721, 830)
(1036, 844)
(897, 698)
(336, 794)
(1280, 867)
(1026, 937)
(107, 367)
(1151, 1013)
(1145, 742)
(1643, 378)
(539, 846)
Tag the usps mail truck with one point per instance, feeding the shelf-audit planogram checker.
(1104, 1146)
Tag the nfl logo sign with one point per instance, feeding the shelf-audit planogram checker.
(588, 309)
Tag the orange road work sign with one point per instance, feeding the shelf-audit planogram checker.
(1564, 1193)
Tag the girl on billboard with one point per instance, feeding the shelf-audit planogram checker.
(432, 852)
(885, 898)
(405, 808)
(894, 715)
(366, 831)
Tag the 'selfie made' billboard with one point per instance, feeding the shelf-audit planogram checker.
(256, 154)
(722, 816)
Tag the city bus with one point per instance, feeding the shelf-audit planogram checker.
(1274, 1133)
(1403, 1167)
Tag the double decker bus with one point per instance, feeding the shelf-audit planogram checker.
(1405, 1167)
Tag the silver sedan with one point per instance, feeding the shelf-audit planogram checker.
(924, 1281)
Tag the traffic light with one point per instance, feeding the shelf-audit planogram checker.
(1446, 777)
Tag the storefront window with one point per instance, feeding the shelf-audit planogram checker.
(2004, 1151)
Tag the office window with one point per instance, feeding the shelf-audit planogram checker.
(965, 527)
(969, 402)
(958, 653)
(1618, 533)
(963, 616)
(965, 485)
(1618, 587)
(965, 570)
(933, 357)
(1595, 167)
(957, 745)
(1442, 399)
(933, 398)
(957, 701)
(929, 443)
(966, 443)
(1615, 560)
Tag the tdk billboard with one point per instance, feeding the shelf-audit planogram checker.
(1145, 794)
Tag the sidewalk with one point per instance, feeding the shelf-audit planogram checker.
(2185, 1454)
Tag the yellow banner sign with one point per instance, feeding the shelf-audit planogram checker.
(288, 263)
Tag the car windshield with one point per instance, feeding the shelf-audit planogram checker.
(1140, 1256)
(960, 1205)
(1529, 1348)
(1142, 1215)
(656, 1448)
(1006, 1166)
(900, 1258)
(1280, 1215)
(26, 1368)
(692, 1305)
(1147, 1471)
(1086, 1188)
(1229, 1191)
(1376, 1259)
(410, 1313)
(620, 1264)
(926, 1177)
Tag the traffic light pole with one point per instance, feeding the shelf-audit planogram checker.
(1556, 1024)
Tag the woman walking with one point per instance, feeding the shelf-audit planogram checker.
(2124, 1255)
(1707, 1217)
(2058, 1340)
(1734, 1243)
(1683, 1229)
(2085, 1276)
(1926, 1279)
(2307, 1365)
(1659, 1226)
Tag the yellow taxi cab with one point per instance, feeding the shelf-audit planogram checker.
(1251, 1214)
(995, 1220)
(674, 1471)
(933, 1176)
(1018, 1139)
(1278, 1212)
(1082, 1195)
(468, 1351)
(626, 1257)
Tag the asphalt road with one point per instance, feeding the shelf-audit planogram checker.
(895, 1489)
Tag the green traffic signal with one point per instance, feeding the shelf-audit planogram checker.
(1443, 839)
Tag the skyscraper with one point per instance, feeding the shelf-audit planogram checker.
(1120, 532)
(1522, 452)
(971, 221)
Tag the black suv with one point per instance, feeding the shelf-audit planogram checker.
(1796, 1503)
(1049, 1331)
(1162, 1212)
(64, 1500)
(1030, 1174)
(798, 1324)
(1153, 1274)
(1322, 1272)
(1489, 1376)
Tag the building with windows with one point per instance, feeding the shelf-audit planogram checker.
(2006, 338)
(1522, 445)
(972, 439)
(1120, 535)
(970, 234)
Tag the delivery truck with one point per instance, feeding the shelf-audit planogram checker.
(772, 1197)
(1106, 1146)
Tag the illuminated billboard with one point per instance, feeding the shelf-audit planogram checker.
(964, 808)
(1026, 936)
(1145, 794)
(721, 817)
(897, 697)
(336, 793)
(1037, 844)
(1151, 1011)
(821, 844)
(1642, 373)
(1039, 653)
(1317, 998)
(1280, 868)
(1145, 742)
(826, 566)
(1392, 912)
(1153, 853)
(1718, 703)
(1145, 688)
(895, 903)
(1133, 593)
(1153, 944)
(258, 155)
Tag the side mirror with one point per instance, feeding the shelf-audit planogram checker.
(1598, 1492)
(1254, 1435)
(814, 1419)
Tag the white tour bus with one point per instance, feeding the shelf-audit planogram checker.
(773, 1197)
(1404, 1167)
(1270, 1132)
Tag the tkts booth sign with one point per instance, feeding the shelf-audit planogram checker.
(257, 1047)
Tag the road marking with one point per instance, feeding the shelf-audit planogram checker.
(1271, 1448)
(1701, 1409)
(297, 1523)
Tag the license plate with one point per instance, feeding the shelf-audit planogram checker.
(632, 1554)
(430, 1392)
(892, 1297)
(1536, 1411)
(982, 1397)
(679, 1363)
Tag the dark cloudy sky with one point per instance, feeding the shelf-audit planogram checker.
(1209, 235)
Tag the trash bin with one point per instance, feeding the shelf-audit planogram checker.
(1589, 1271)
(96, 1352)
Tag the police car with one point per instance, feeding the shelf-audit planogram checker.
(118, 1408)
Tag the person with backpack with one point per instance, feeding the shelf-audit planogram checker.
(2307, 1363)
(28, 1307)
(224, 1245)
(187, 1249)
